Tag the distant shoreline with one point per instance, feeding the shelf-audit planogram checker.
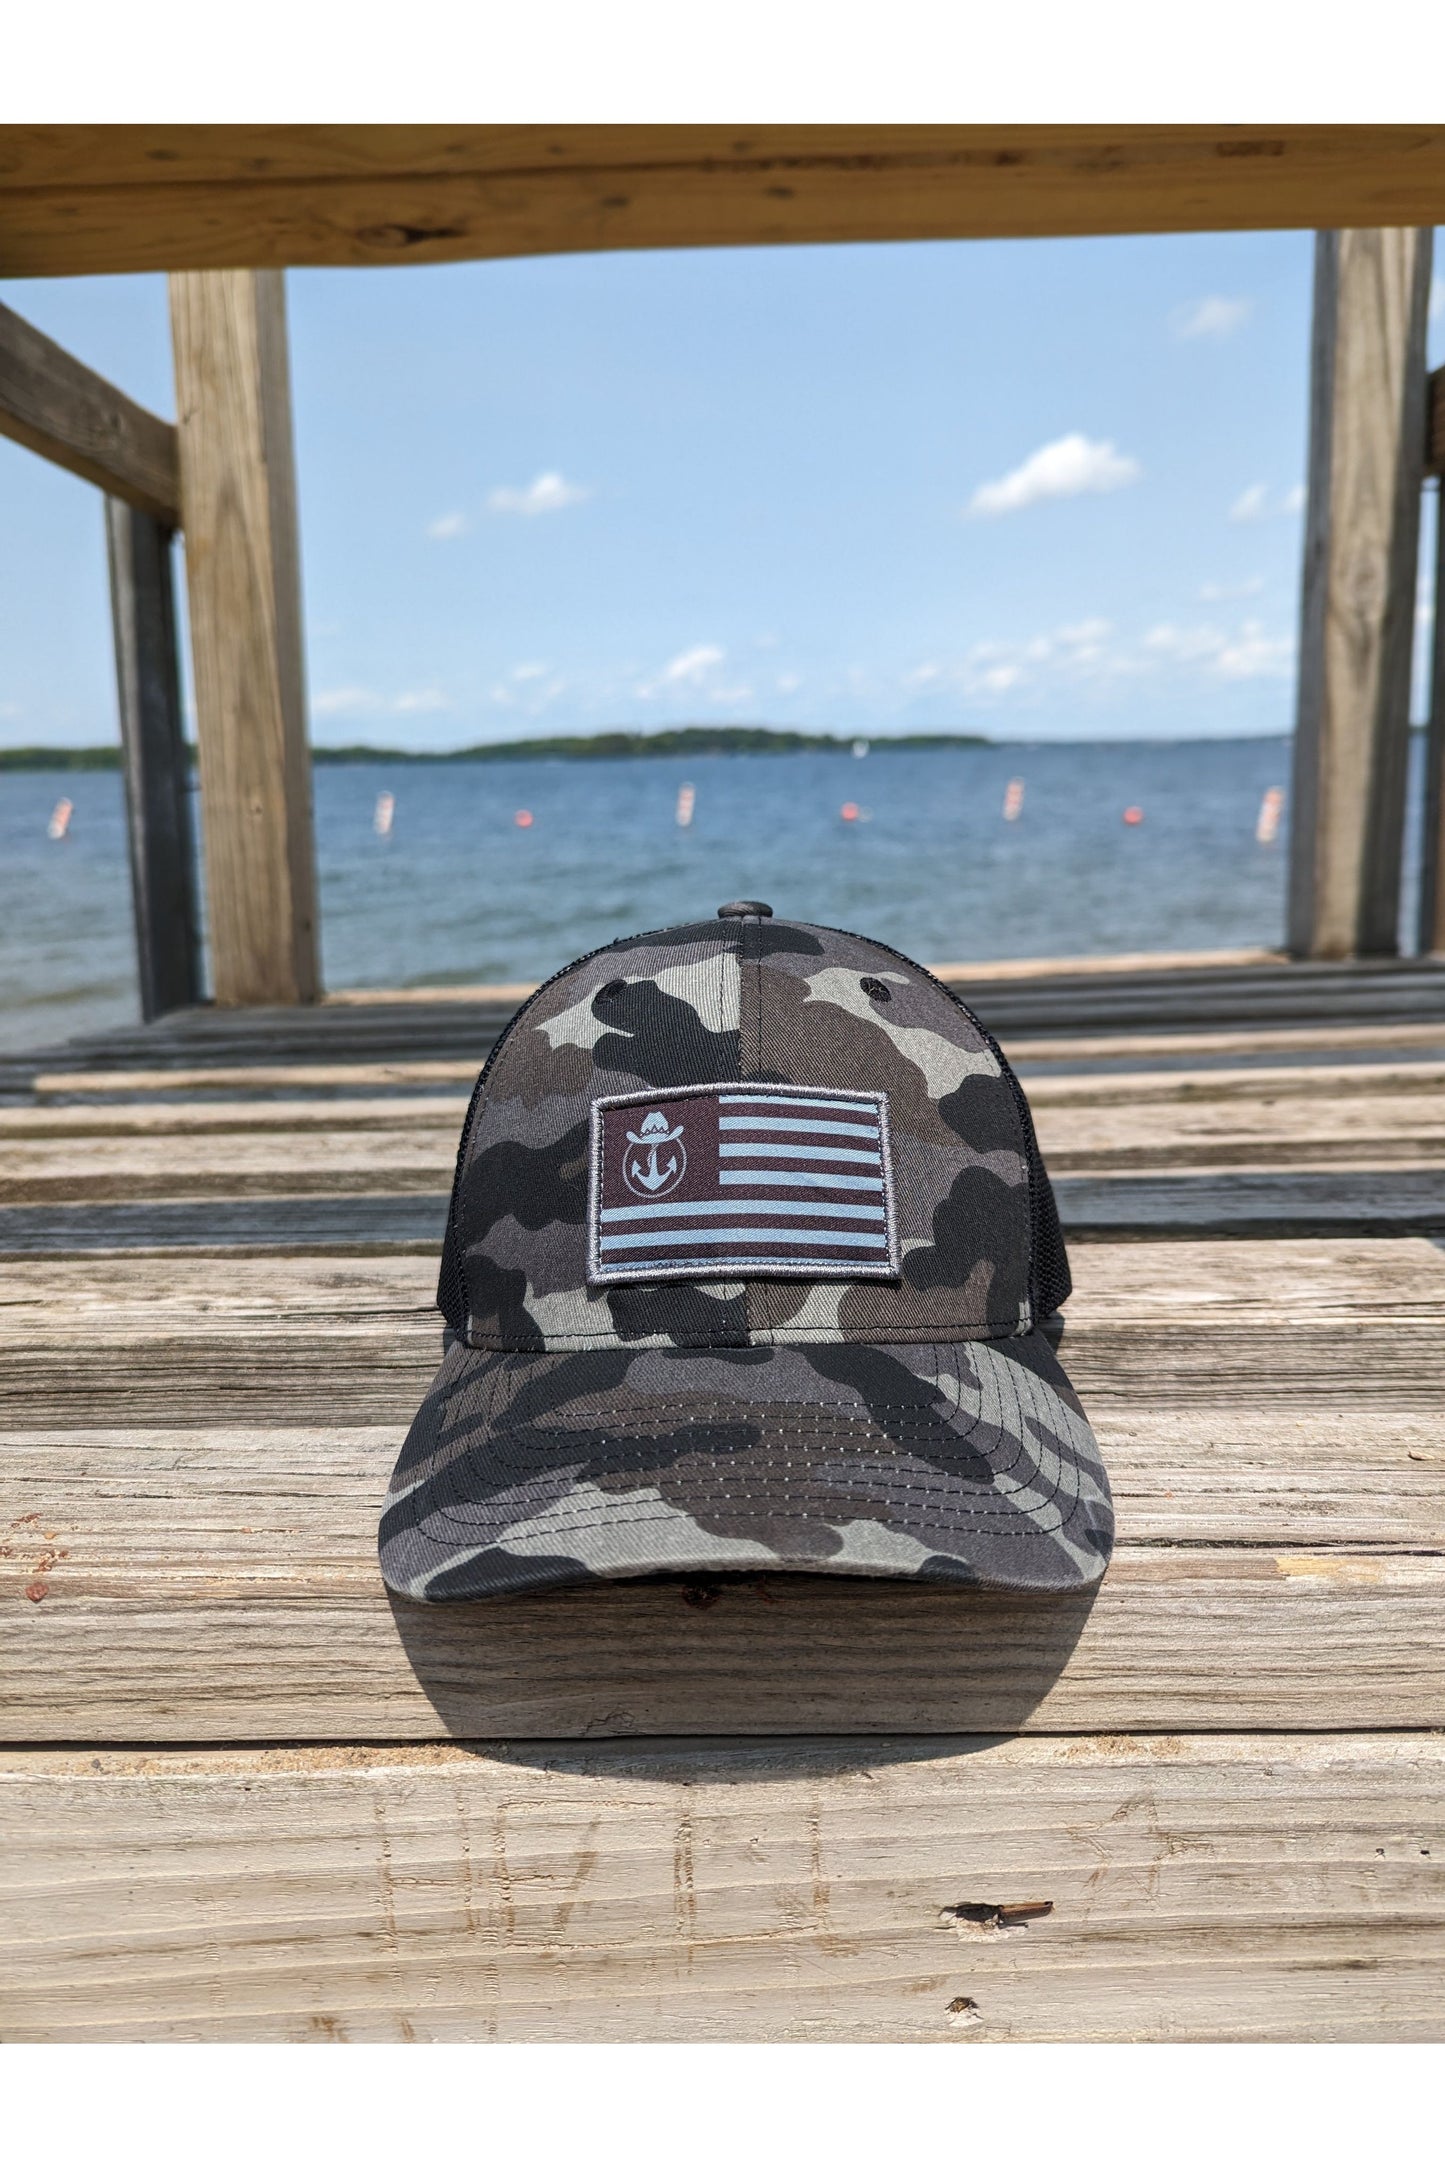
(699, 740)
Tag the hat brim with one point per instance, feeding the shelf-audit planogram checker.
(967, 1462)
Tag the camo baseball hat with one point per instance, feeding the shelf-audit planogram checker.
(752, 1265)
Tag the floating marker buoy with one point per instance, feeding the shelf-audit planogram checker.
(860, 748)
(1271, 805)
(1133, 814)
(686, 800)
(381, 819)
(59, 821)
(849, 811)
(523, 818)
(1013, 799)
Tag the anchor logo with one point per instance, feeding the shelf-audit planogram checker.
(640, 1169)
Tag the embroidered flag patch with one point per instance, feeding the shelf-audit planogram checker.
(722, 1181)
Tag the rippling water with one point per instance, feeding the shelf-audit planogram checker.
(458, 892)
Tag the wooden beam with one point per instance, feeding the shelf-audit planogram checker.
(56, 406)
(1367, 420)
(1180, 1888)
(156, 760)
(81, 199)
(243, 573)
(1431, 930)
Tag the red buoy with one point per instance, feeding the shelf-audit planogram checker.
(850, 811)
(523, 819)
(1133, 814)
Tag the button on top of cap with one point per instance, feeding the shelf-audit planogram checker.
(744, 910)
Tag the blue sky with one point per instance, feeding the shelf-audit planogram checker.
(1044, 489)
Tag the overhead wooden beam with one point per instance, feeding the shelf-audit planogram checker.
(56, 406)
(156, 760)
(1367, 427)
(238, 494)
(79, 199)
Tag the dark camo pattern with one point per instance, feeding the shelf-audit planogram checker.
(690, 1009)
(969, 1463)
(920, 1429)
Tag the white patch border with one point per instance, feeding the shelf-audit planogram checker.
(600, 1275)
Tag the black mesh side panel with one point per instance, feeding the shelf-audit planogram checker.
(1053, 1282)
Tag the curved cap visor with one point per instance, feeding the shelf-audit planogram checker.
(968, 1462)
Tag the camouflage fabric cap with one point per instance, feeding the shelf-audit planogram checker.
(748, 1263)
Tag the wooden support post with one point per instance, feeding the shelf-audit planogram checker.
(1367, 419)
(238, 498)
(157, 768)
(1432, 852)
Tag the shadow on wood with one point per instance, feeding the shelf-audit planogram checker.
(731, 1652)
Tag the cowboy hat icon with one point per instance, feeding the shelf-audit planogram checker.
(649, 1179)
(655, 1131)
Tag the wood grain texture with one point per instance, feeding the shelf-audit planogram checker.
(1367, 420)
(243, 580)
(242, 1340)
(1430, 923)
(145, 198)
(1096, 1126)
(1200, 1888)
(190, 1526)
(56, 406)
(156, 760)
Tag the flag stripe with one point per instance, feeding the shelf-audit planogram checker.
(812, 1210)
(859, 1107)
(800, 1151)
(763, 1236)
(813, 1129)
(802, 1178)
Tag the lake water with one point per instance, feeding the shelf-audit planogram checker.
(459, 892)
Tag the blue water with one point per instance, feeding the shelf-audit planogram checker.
(459, 893)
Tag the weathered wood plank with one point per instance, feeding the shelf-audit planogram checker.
(1272, 1414)
(1199, 1888)
(1103, 1130)
(233, 1077)
(243, 576)
(1357, 621)
(162, 197)
(366, 1214)
(242, 1340)
(56, 406)
(156, 760)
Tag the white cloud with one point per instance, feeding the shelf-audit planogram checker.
(691, 666)
(789, 682)
(1225, 591)
(1437, 299)
(550, 492)
(1256, 503)
(1071, 466)
(1254, 653)
(425, 701)
(523, 671)
(1217, 316)
(343, 700)
(1002, 677)
(448, 527)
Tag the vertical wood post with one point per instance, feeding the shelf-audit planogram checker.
(1367, 417)
(238, 503)
(1432, 854)
(157, 769)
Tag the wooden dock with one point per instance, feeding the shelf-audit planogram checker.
(245, 1796)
